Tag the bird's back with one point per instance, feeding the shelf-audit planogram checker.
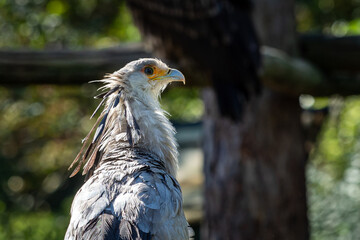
(129, 196)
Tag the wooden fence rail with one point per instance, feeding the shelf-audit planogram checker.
(328, 66)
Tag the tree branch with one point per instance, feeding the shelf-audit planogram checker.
(294, 76)
(331, 53)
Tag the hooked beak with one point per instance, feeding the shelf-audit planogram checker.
(173, 75)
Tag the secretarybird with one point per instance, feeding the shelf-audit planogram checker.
(131, 191)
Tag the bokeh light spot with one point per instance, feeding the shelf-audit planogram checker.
(16, 183)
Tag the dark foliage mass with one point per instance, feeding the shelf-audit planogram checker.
(216, 37)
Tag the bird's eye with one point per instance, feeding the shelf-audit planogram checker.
(148, 70)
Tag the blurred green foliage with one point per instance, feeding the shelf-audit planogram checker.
(41, 127)
(333, 17)
(33, 225)
(334, 167)
(65, 23)
(183, 104)
(334, 173)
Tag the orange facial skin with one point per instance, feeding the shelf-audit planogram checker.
(157, 72)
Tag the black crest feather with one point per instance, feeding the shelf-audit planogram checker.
(92, 154)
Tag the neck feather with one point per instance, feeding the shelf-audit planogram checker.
(155, 133)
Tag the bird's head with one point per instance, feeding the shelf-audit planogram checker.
(137, 84)
(149, 76)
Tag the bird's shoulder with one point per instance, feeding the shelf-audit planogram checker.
(136, 196)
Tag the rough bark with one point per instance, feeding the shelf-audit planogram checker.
(255, 178)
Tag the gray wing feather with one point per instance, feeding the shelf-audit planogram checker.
(94, 217)
(128, 231)
(108, 227)
(105, 226)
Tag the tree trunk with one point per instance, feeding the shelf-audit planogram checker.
(255, 169)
